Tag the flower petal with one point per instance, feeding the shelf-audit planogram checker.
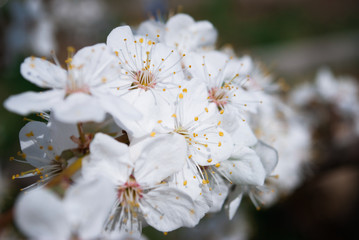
(244, 167)
(158, 157)
(167, 209)
(34, 141)
(43, 73)
(108, 158)
(268, 156)
(233, 202)
(79, 107)
(88, 204)
(28, 102)
(40, 215)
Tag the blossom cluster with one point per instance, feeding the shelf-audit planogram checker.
(154, 127)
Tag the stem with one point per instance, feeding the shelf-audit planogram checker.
(67, 173)
(81, 132)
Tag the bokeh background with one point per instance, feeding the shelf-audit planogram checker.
(293, 38)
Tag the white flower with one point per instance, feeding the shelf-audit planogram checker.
(138, 172)
(182, 32)
(149, 73)
(74, 93)
(41, 214)
(196, 121)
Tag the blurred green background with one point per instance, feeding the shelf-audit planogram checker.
(292, 37)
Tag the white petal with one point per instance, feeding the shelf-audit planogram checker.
(79, 107)
(34, 141)
(158, 157)
(25, 103)
(40, 215)
(108, 158)
(43, 73)
(121, 39)
(167, 209)
(234, 200)
(95, 65)
(120, 109)
(219, 192)
(88, 204)
(152, 28)
(244, 167)
(268, 156)
(61, 134)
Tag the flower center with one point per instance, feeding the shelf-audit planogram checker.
(218, 96)
(145, 79)
(130, 193)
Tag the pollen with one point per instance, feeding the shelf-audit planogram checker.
(141, 40)
(217, 165)
(184, 90)
(196, 118)
(219, 123)
(222, 111)
(174, 115)
(184, 182)
(219, 144)
(153, 134)
(159, 121)
(221, 134)
(206, 109)
(149, 42)
(209, 160)
(180, 95)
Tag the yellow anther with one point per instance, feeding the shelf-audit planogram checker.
(149, 42)
(164, 233)
(164, 89)
(158, 35)
(69, 60)
(190, 156)
(230, 172)
(159, 121)
(219, 144)
(204, 181)
(153, 134)
(194, 177)
(141, 40)
(11, 158)
(196, 118)
(174, 115)
(222, 111)
(103, 80)
(179, 86)
(50, 148)
(189, 66)
(192, 211)
(125, 39)
(217, 165)
(180, 95)
(184, 182)
(209, 160)
(70, 49)
(221, 134)
(219, 123)
(116, 52)
(30, 134)
(184, 90)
